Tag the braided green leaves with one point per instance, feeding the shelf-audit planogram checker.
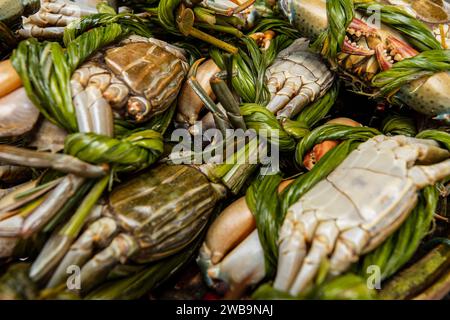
(82, 47)
(263, 200)
(399, 125)
(340, 13)
(280, 27)
(249, 67)
(45, 69)
(417, 33)
(424, 64)
(332, 132)
(312, 114)
(134, 152)
(259, 118)
(128, 21)
(166, 9)
(440, 136)
(400, 246)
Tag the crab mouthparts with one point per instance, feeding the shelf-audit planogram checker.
(395, 50)
(138, 108)
(354, 42)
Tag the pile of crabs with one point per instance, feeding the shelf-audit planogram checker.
(345, 198)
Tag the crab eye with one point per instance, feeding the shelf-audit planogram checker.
(138, 108)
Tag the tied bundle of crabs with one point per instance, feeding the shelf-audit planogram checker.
(116, 161)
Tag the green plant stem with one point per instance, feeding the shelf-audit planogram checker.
(438, 290)
(412, 280)
(73, 228)
(204, 15)
(222, 28)
(226, 98)
(212, 40)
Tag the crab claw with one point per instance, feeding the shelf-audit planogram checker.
(138, 108)
(383, 59)
(355, 30)
(318, 152)
(360, 28)
(395, 50)
(355, 49)
(400, 47)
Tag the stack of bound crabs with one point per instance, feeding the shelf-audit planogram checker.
(100, 200)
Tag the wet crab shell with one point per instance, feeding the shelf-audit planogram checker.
(164, 209)
(139, 77)
(149, 70)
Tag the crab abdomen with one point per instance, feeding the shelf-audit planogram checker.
(370, 189)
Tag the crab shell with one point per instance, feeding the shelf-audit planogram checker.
(428, 95)
(163, 209)
(150, 70)
(145, 74)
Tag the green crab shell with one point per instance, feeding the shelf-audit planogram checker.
(164, 208)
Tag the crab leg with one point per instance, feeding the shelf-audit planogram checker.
(60, 162)
(429, 175)
(60, 242)
(19, 225)
(93, 89)
(30, 30)
(97, 233)
(321, 246)
(53, 16)
(229, 229)
(69, 8)
(48, 18)
(189, 104)
(296, 230)
(96, 269)
(296, 74)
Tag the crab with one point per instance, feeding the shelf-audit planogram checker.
(364, 200)
(53, 15)
(368, 50)
(147, 218)
(296, 78)
(138, 78)
(349, 213)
